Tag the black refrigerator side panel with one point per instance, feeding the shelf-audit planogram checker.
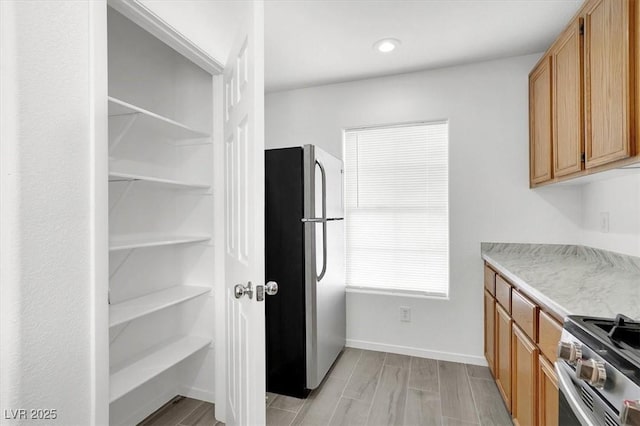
(284, 263)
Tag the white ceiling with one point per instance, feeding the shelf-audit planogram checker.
(314, 42)
(211, 24)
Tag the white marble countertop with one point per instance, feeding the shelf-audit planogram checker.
(571, 280)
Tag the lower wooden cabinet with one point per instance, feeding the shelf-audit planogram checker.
(518, 346)
(524, 374)
(547, 393)
(489, 330)
(503, 354)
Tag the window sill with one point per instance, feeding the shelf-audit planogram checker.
(396, 292)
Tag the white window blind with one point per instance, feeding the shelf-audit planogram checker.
(397, 208)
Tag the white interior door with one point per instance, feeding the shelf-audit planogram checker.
(244, 221)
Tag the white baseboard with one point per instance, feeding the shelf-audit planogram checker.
(418, 352)
(197, 393)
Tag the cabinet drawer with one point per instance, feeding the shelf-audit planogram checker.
(490, 280)
(525, 314)
(549, 332)
(503, 293)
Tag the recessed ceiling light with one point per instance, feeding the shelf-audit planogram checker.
(386, 45)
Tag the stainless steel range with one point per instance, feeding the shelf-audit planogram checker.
(598, 369)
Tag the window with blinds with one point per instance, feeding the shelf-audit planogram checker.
(397, 208)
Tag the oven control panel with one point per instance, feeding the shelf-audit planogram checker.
(590, 368)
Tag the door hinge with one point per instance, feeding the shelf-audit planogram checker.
(581, 29)
(583, 157)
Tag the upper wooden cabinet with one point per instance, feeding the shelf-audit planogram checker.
(567, 122)
(636, 46)
(608, 73)
(584, 95)
(540, 122)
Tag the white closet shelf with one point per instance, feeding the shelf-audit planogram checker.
(119, 176)
(155, 123)
(143, 241)
(153, 362)
(126, 311)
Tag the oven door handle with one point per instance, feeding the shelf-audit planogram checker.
(565, 385)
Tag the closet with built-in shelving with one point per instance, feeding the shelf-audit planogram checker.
(161, 224)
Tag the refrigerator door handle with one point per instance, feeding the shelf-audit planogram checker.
(324, 220)
(320, 219)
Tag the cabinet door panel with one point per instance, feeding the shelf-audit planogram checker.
(490, 330)
(548, 394)
(540, 122)
(524, 373)
(503, 354)
(567, 102)
(607, 81)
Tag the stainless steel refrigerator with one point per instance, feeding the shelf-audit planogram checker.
(304, 244)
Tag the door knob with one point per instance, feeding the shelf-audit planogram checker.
(271, 288)
(241, 290)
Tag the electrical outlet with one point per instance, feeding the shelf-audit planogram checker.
(604, 222)
(405, 314)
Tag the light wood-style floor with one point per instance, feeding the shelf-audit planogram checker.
(373, 388)
(376, 388)
(182, 411)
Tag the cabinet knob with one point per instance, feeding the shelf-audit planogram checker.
(592, 372)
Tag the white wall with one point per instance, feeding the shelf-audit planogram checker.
(490, 199)
(54, 287)
(619, 196)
